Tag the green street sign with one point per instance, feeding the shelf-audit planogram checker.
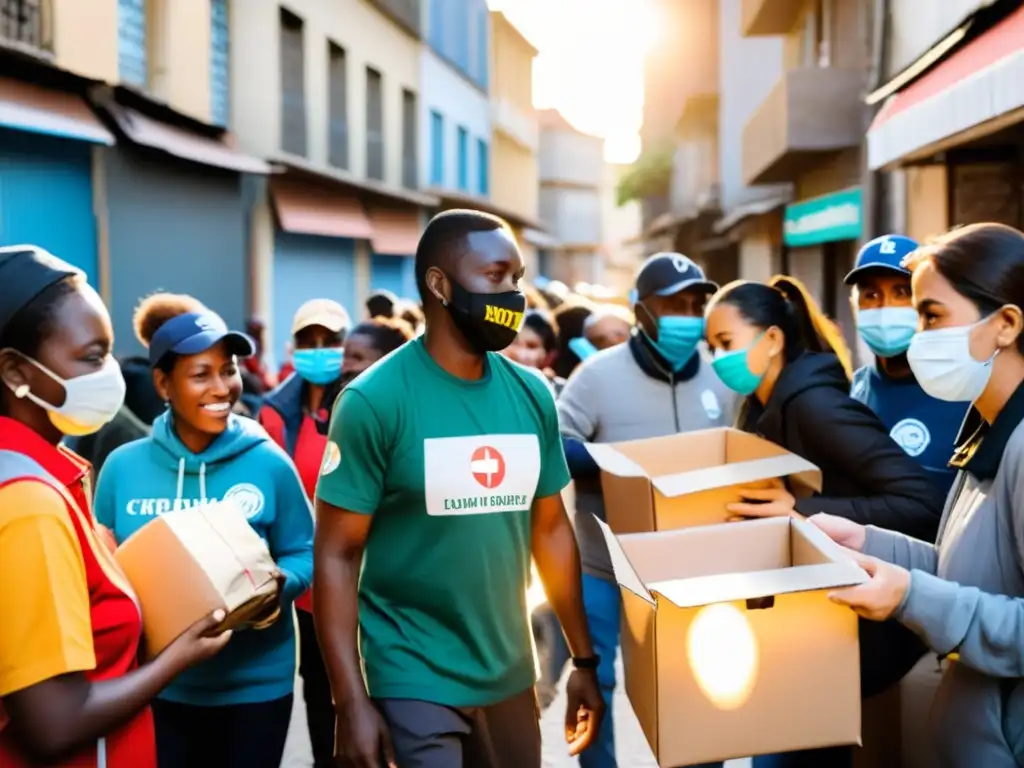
(825, 219)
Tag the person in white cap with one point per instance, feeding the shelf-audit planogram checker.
(291, 415)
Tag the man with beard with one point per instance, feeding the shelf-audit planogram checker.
(442, 477)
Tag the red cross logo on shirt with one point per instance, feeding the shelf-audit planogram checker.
(487, 466)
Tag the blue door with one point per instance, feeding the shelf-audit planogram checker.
(393, 273)
(310, 267)
(46, 196)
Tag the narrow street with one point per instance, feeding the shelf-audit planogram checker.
(632, 748)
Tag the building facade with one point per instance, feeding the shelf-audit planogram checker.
(331, 93)
(571, 182)
(515, 137)
(116, 118)
(948, 136)
(808, 132)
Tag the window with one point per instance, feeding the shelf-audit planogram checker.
(438, 17)
(483, 170)
(818, 35)
(220, 86)
(409, 136)
(463, 148)
(293, 85)
(482, 45)
(27, 22)
(374, 125)
(337, 106)
(436, 149)
(131, 42)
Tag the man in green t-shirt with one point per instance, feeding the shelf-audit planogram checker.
(442, 477)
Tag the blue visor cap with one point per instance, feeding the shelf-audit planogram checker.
(886, 253)
(195, 332)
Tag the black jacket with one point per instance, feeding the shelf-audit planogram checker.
(866, 476)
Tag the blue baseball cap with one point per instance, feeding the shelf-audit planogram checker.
(665, 274)
(886, 253)
(195, 332)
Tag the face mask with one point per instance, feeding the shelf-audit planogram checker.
(678, 337)
(582, 348)
(318, 366)
(90, 401)
(734, 370)
(489, 321)
(942, 363)
(887, 331)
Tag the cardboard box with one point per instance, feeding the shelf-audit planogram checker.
(186, 564)
(686, 480)
(731, 645)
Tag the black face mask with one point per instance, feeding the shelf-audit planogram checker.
(489, 321)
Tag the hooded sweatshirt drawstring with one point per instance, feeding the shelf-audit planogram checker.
(181, 483)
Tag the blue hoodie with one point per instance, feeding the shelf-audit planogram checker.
(159, 474)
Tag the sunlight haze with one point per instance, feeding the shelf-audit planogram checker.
(590, 65)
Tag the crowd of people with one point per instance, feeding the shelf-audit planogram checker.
(407, 473)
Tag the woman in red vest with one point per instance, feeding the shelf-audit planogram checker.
(72, 691)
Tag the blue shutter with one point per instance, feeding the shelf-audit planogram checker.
(483, 169)
(463, 159)
(483, 46)
(436, 149)
(219, 67)
(131, 42)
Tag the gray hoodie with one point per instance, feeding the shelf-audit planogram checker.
(966, 597)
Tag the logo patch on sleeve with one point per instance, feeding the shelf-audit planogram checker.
(332, 458)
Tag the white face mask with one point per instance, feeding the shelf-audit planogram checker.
(942, 363)
(90, 401)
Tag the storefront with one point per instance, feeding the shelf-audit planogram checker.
(393, 240)
(821, 236)
(953, 120)
(47, 143)
(177, 212)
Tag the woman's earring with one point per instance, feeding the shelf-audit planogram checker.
(21, 391)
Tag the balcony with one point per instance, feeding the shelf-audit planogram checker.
(405, 13)
(809, 113)
(27, 25)
(516, 123)
(769, 17)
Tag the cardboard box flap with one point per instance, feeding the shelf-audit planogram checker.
(625, 575)
(724, 588)
(739, 473)
(613, 462)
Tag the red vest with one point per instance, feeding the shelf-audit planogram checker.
(116, 621)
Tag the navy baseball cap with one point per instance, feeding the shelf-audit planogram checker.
(195, 332)
(664, 274)
(886, 253)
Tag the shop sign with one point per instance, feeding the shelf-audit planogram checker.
(825, 219)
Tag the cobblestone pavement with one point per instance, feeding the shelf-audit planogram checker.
(630, 742)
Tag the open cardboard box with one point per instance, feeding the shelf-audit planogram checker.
(686, 480)
(731, 645)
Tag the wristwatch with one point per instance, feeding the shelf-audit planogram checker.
(586, 662)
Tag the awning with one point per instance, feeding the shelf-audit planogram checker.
(364, 187)
(977, 90)
(538, 238)
(753, 208)
(182, 143)
(450, 198)
(394, 231)
(307, 209)
(28, 107)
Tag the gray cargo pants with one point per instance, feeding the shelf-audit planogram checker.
(502, 735)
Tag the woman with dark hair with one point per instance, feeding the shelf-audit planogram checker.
(570, 317)
(772, 344)
(234, 710)
(964, 595)
(370, 341)
(72, 691)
